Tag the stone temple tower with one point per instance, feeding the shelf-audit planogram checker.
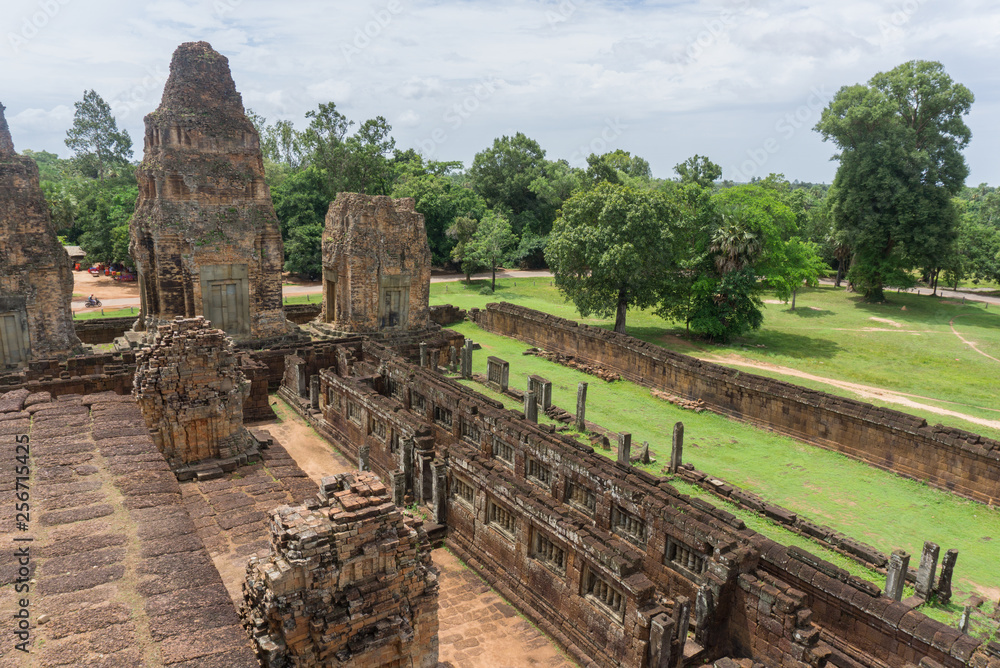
(36, 283)
(204, 234)
(376, 267)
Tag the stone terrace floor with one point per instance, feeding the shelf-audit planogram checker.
(118, 568)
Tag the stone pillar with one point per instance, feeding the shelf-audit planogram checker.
(682, 620)
(452, 359)
(440, 499)
(364, 452)
(899, 563)
(423, 354)
(704, 608)
(542, 389)
(947, 571)
(581, 407)
(928, 566)
(963, 621)
(530, 407)
(300, 379)
(467, 359)
(498, 373)
(314, 392)
(677, 448)
(661, 635)
(398, 488)
(624, 448)
(406, 463)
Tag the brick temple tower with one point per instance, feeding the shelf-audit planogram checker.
(36, 283)
(204, 234)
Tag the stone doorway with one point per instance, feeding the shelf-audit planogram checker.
(394, 301)
(226, 298)
(14, 346)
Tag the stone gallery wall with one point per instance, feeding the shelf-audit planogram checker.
(610, 560)
(961, 462)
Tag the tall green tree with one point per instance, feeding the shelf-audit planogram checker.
(441, 200)
(900, 138)
(613, 248)
(698, 170)
(503, 176)
(737, 239)
(301, 203)
(802, 265)
(100, 146)
(492, 244)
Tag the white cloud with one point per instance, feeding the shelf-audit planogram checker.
(711, 77)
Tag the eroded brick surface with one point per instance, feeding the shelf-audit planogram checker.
(204, 234)
(191, 392)
(36, 283)
(348, 582)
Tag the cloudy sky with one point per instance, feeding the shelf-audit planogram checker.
(742, 81)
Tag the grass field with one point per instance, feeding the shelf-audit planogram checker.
(93, 314)
(906, 345)
(877, 507)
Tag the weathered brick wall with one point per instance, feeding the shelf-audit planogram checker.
(103, 330)
(191, 389)
(303, 313)
(858, 624)
(951, 459)
(36, 283)
(371, 243)
(348, 582)
(446, 314)
(203, 203)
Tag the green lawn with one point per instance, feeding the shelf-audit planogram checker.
(92, 314)
(905, 345)
(874, 506)
(303, 299)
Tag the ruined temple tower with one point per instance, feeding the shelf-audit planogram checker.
(36, 283)
(204, 234)
(376, 266)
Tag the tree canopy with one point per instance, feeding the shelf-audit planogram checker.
(100, 147)
(901, 138)
(613, 247)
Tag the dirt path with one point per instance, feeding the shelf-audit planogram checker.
(966, 341)
(864, 391)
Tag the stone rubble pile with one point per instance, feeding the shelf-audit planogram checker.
(349, 582)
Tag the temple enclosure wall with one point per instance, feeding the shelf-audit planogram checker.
(951, 459)
(613, 562)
